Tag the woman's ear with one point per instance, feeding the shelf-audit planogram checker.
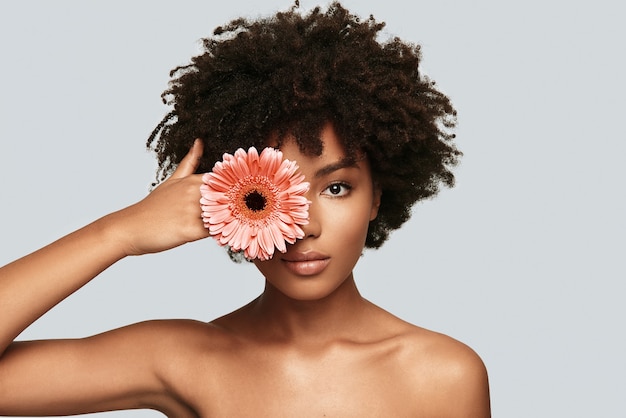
(375, 201)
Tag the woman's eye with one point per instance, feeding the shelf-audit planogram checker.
(337, 189)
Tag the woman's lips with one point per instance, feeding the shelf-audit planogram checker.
(306, 264)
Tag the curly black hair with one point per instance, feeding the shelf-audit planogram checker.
(291, 74)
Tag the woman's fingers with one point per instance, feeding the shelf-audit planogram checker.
(170, 215)
(190, 162)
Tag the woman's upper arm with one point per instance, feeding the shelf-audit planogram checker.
(471, 386)
(115, 370)
(466, 386)
(449, 379)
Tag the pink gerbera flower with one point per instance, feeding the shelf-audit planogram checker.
(255, 203)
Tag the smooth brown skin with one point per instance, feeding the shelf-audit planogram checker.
(309, 346)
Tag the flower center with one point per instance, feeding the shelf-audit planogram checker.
(255, 201)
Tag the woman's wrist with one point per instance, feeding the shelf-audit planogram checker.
(115, 232)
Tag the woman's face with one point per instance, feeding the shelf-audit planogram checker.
(343, 202)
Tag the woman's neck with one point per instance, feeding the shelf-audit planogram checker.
(337, 316)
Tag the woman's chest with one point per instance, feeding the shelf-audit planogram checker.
(343, 383)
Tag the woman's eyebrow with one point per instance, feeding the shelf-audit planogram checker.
(343, 163)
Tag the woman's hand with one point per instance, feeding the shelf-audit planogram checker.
(169, 216)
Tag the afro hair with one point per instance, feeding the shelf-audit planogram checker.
(291, 74)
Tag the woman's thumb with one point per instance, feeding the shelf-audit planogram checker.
(190, 162)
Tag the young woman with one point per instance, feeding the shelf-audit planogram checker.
(371, 137)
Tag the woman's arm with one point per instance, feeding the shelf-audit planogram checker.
(30, 286)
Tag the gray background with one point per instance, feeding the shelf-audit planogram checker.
(522, 260)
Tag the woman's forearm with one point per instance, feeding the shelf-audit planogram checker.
(33, 284)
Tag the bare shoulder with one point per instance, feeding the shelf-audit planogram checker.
(179, 338)
(445, 372)
(188, 357)
(453, 359)
(135, 366)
